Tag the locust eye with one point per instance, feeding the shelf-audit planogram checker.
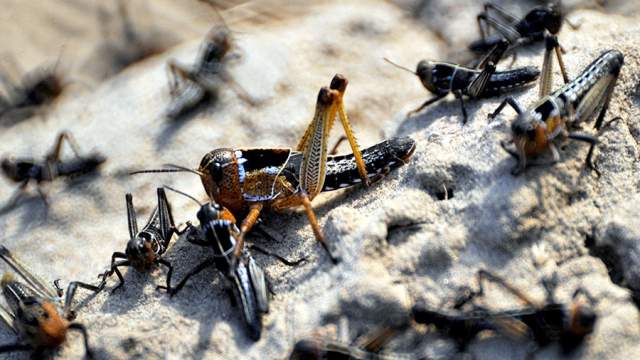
(215, 170)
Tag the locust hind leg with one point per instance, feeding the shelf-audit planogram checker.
(54, 155)
(302, 199)
(339, 83)
(546, 77)
(484, 275)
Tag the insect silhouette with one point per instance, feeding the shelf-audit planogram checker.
(145, 247)
(29, 96)
(442, 79)
(190, 87)
(35, 311)
(530, 29)
(246, 181)
(27, 170)
(368, 347)
(544, 323)
(553, 118)
(244, 279)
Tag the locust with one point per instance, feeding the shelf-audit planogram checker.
(368, 347)
(567, 324)
(443, 78)
(145, 247)
(27, 97)
(530, 29)
(246, 180)
(554, 118)
(28, 170)
(190, 87)
(244, 279)
(36, 312)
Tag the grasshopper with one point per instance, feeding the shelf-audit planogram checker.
(27, 170)
(30, 95)
(191, 87)
(243, 277)
(246, 181)
(366, 347)
(545, 323)
(554, 116)
(36, 312)
(442, 79)
(523, 31)
(145, 247)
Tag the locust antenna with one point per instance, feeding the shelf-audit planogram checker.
(400, 66)
(182, 193)
(173, 169)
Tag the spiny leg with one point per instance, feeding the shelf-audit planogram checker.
(114, 269)
(85, 336)
(339, 83)
(57, 149)
(425, 104)
(506, 30)
(252, 217)
(313, 143)
(71, 292)
(460, 96)
(169, 271)
(546, 78)
(132, 219)
(507, 101)
(488, 276)
(196, 270)
(165, 216)
(488, 66)
(315, 226)
(591, 140)
(280, 258)
(506, 15)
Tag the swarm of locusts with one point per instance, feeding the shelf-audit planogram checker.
(244, 182)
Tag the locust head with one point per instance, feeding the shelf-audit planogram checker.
(424, 70)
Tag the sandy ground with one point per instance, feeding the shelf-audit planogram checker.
(562, 219)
